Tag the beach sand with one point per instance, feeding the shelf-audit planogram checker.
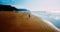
(22, 22)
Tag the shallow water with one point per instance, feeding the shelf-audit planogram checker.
(55, 22)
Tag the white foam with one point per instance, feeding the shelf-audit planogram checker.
(48, 22)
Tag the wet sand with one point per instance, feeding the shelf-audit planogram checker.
(22, 22)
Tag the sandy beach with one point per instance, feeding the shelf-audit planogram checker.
(22, 22)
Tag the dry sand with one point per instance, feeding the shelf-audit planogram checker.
(21, 22)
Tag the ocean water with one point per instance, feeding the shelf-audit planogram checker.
(53, 18)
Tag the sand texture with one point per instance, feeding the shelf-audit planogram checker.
(22, 22)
